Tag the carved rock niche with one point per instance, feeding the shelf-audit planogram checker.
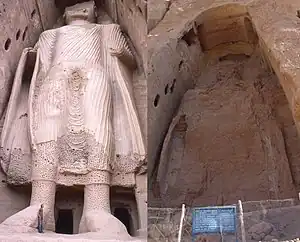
(234, 135)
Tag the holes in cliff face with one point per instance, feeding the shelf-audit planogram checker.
(18, 34)
(172, 86)
(140, 10)
(24, 33)
(33, 13)
(166, 89)
(7, 44)
(180, 65)
(156, 100)
(190, 37)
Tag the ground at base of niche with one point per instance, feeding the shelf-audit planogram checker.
(54, 237)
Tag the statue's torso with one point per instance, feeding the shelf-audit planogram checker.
(81, 44)
(72, 105)
(74, 85)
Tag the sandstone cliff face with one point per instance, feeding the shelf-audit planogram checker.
(233, 138)
(235, 134)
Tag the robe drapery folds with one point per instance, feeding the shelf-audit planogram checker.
(75, 121)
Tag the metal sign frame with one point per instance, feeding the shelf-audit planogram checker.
(210, 220)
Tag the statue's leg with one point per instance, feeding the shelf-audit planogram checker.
(43, 192)
(96, 215)
(44, 172)
(96, 198)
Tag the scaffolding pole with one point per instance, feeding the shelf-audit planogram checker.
(241, 216)
(181, 222)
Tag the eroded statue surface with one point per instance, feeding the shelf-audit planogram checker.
(72, 119)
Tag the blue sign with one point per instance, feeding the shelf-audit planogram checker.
(210, 220)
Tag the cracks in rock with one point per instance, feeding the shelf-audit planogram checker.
(167, 4)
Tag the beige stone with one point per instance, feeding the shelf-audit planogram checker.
(81, 126)
(191, 37)
(227, 131)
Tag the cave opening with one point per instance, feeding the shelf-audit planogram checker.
(124, 216)
(64, 222)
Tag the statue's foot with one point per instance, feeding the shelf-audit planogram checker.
(27, 220)
(104, 223)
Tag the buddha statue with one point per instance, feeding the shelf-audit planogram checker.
(71, 118)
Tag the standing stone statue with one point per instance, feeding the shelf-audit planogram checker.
(72, 120)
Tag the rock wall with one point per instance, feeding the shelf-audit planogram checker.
(233, 138)
(20, 28)
(11, 200)
(276, 25)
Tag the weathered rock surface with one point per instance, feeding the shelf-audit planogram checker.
(260, 231)
(156, 12)
(233, 138)
(276, 24)
(279, 224)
